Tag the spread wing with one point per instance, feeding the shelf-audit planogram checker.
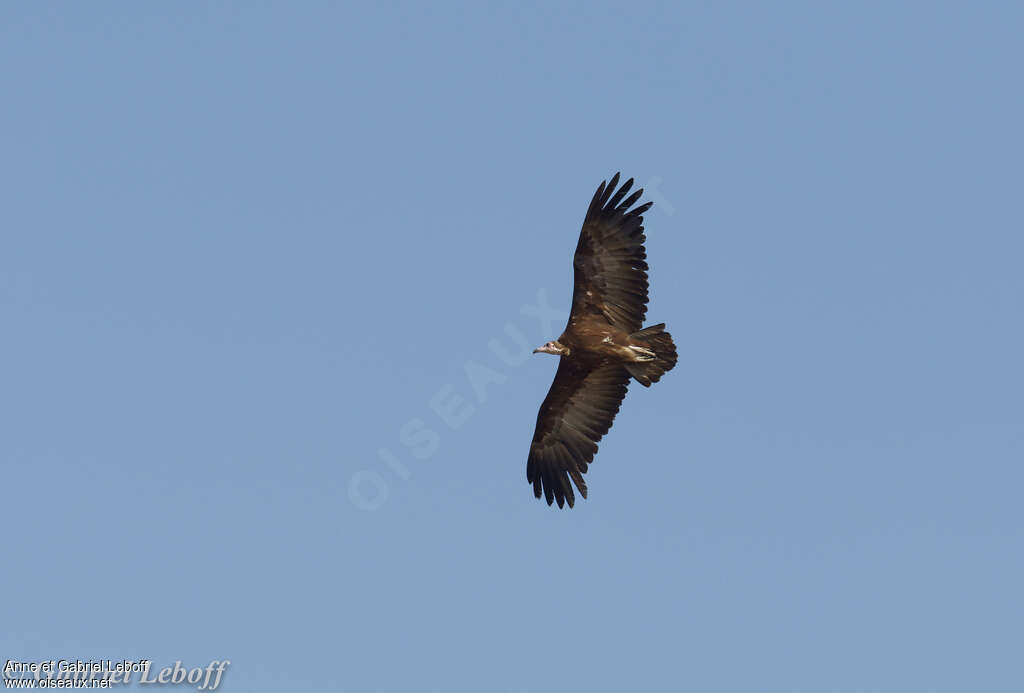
(579, 409)
(610, 268)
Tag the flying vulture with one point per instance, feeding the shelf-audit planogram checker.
(602, 346)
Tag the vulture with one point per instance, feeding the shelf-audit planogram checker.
(603, 346)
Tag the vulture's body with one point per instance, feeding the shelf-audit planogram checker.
(603, 345)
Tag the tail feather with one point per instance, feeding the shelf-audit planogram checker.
(660, 341)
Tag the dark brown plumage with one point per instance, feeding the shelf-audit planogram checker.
(602, 346)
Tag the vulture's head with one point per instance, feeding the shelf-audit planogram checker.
(554, 347)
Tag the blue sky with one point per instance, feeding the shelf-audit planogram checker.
(247, 247)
